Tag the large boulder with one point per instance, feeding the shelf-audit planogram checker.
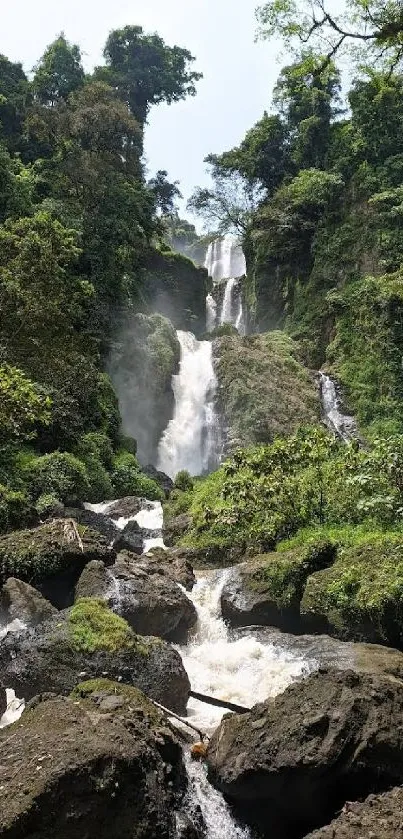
(164, 481)
(360, 596)
(331, 737)
(141, 591)
(51, 557)
(100, 522)
(267, 589)
(176, 563)
(105, 766)
(89, 641)
(378, 817)
(131, 538)
(176, 527)
(19, 601)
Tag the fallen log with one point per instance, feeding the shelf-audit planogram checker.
(220, 703)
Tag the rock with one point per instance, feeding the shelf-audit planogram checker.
(100, 522)
(19, 601)
(267, 589)
(186, 829)
(331, 737)
(165, 482)
(359, 597)
(97, 581)
(3, 702)
(151, 602)
(52, 557)
(89, 641)
(175, 564)
(131, 538)
(378, 817)
(72, 769)
(175, 528)
(126, 507)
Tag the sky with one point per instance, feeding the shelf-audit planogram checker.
(239, 74)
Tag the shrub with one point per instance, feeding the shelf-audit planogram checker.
(60, 474)
(49, 506)
(184, 481)
(127, 479)
(15, 510)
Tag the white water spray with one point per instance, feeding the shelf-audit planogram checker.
(341, 424)
(211, 313)
(190, 439)
(225, 258)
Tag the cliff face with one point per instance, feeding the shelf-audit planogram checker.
(176, 288)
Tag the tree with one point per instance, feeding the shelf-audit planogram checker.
(58, 73)
(22, 406)
(228, 205)
(14, 97)
(145, 71)
(376, 25)
(164, 192)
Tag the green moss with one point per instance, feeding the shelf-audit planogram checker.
(361, 595)
(133, 696)
(95, 627)
(264, 389)
(283, 575)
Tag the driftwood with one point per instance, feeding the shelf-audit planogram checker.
(219, 703)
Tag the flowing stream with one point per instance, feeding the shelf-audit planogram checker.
(190, 440)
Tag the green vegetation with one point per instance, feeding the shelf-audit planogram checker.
(94, 627)
(133, 697)
(264, 390)
(282, 576)
(81, 232)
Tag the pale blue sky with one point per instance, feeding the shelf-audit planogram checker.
(238, 74)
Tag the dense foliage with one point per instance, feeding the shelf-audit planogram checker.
(79, 224)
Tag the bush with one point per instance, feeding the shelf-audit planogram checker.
(48, 506)
(96, 452)
(184, 481)
(15, 510)
(60, 474)
(127, 479)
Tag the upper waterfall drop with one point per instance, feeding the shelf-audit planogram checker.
(226, 264)
(190, 440)
(225, 259)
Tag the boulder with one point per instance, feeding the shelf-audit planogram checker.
(165, 482)
(3, 702)
(100, 522)
(19, 601)
(175, 528)
(88, 641)
(359, 597)
(83, 767)
(331, 737)
(143, 593)
(126, 507)
(176, 564)
(131, 538)
(267, 589)
(378, 817)
(51, 557)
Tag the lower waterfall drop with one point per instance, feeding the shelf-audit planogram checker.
(190, 440)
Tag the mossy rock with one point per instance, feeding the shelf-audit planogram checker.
(361, 596)
(267, 590)
(95, 627)
(51, 557)
(264, 389)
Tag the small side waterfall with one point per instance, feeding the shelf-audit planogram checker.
(342, 425)
(211, 313)
(190, 440)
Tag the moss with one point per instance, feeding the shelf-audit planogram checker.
(361, 595)
(264, 390)
(132, 696)
(283, 576)
(95, 627)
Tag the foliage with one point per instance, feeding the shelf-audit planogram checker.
(22, 406)
(228, 206)
(60, 474)
(15, 510)
(58, 73)
(183, 481)
(94, 627)
(49, 506)
(127, 479)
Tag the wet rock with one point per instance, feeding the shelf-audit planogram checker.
(267, 589)
(52, 659)
(378, 817)
(164, 481)
(151, 602)
(176, 564)
(19, 601)
(332, 737)
(131, 538)
(126, 507)
(186, 829)
(3, 702)
(51, 557)
(175, 528)
(96, 581)
(72, 769)
(99, 522)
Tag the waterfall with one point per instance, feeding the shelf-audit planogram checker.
(190, 440)
(342, 425)
(225, 258)
(225, 263)
(211, 313)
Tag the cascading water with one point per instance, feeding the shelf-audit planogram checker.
(225, 263)
(190, 440)
(342, 425)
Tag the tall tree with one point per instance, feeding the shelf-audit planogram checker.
(14, 97)
(58, 73)
(146, 71)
